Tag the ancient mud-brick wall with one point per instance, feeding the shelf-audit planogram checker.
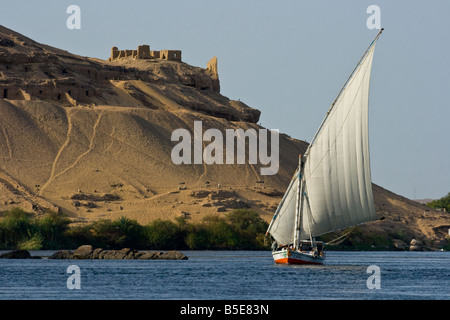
(172, 55)
(211, 70)
(143, 52)
(154, 54)
(211, 67)
(114, 53)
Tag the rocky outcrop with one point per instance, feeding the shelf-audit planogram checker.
(211, 67)
(17, 254)
(400, 245)
(88, 252)
(83, 252)
(221, 199)
(415, 245)
(91, 197)
(271, 193)
(63, 254)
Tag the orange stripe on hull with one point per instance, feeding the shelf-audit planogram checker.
(294, 261)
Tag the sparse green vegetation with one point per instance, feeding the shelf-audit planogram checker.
(19, 230)
(442, 203)
(241, 229)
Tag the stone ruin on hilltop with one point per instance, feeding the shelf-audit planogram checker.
(143, 52)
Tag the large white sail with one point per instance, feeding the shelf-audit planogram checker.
(336, 181)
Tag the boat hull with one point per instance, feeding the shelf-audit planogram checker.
(296, 257)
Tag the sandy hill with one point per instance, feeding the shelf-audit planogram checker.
(92, 139)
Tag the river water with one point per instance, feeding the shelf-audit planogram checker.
(232, 275)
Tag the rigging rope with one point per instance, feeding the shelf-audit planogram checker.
(344, 236)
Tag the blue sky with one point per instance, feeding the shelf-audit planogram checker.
(289, 59)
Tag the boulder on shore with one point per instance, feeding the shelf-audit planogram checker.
(87, 252)
(17, 254)
(415, 245)
(63, 254)
(83, 252)
(400, 245)
(173, 255)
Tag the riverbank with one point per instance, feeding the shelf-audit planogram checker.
(86, 252)
(242, 229)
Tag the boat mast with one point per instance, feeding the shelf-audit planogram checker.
(299, 203)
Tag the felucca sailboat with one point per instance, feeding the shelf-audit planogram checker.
(331, 188)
